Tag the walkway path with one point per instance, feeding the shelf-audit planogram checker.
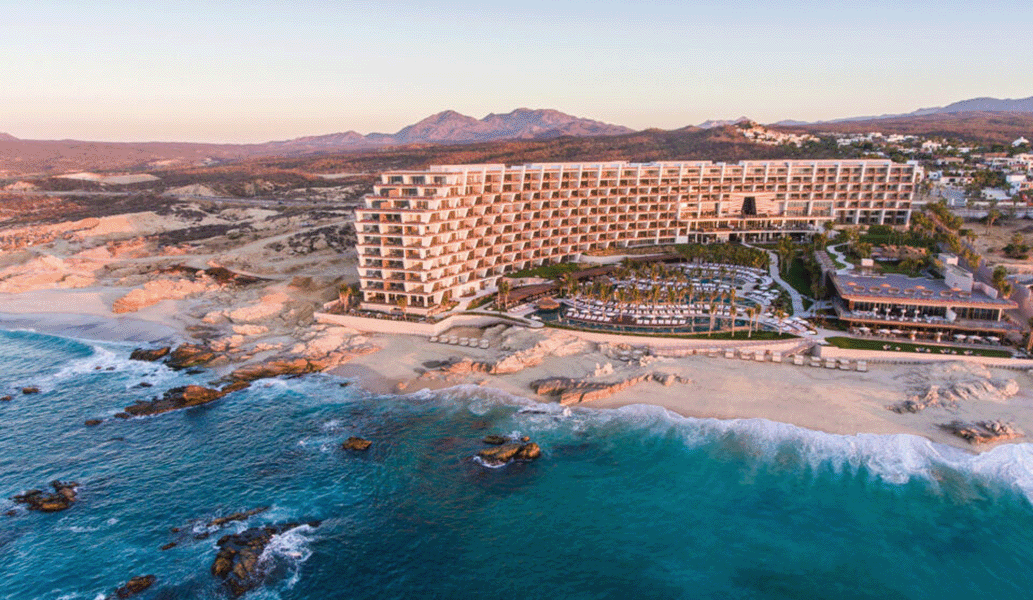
(793, 294)
(840, 258)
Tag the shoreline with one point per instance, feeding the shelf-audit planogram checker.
(832, 402)
(91, 327)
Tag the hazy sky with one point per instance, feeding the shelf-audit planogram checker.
(255, 71)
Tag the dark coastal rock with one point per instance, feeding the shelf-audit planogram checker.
(236, 386)
(168, 546)
(6, 398)
(224, 276)
(122, 415)
(144, 384)
(356, 443)
(190, 355)
(275, 368)
(529, 451)
(237, 561)
(237, 516)
(505, 453)
(174, 399)
(30, 390)
(150, 355)
(92, 422)
(499, 455)
(495, 440)
(983, 432)
(63, 497)
(135, 586)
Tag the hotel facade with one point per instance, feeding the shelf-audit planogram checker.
(425, 237)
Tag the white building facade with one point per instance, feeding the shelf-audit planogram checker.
(425, 237)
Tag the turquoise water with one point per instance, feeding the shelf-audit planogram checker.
(635, 503)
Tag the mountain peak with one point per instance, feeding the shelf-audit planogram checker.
(718, 123)
(6, 137)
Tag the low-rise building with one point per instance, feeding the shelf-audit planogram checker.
(955, 304)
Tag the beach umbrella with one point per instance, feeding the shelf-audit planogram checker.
(884, 331)
(896, 332)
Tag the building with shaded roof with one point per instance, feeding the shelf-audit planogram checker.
(955, 303)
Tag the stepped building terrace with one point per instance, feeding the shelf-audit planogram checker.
(426, 237)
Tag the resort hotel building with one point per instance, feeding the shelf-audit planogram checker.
(428, 236)
(957, 304)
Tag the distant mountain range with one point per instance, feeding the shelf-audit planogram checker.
(972, 119)
(447, 127)
(982, 105)
(450, 127)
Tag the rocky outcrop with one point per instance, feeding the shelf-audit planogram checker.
(505, 453)
(175, 399)
(356, 443)
(135, 586)
(190, 355)
(30, 390)
(575, 391)
(150, 355)
(237, 562)
(154, 292)
(947, 384)
(495, 440)
(63, 497)
(983, 432)
(237, 516)
(275, 368)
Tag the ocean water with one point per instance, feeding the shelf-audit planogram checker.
(632, 503)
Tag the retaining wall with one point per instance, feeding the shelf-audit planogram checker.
(914, 358)
(372, 325)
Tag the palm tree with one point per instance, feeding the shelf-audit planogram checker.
(992, 217)
(403, 302)
(784, 251)
(344, 296)
(713, 313)
(1029, 337)
(780, 314)
(504, 288)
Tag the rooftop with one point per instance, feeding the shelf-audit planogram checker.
(894, 288)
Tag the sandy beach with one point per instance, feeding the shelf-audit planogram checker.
(831, 401)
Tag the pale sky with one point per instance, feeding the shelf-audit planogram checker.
(255, 71)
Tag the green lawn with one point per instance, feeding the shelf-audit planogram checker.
(934, 349)
(798, 277)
